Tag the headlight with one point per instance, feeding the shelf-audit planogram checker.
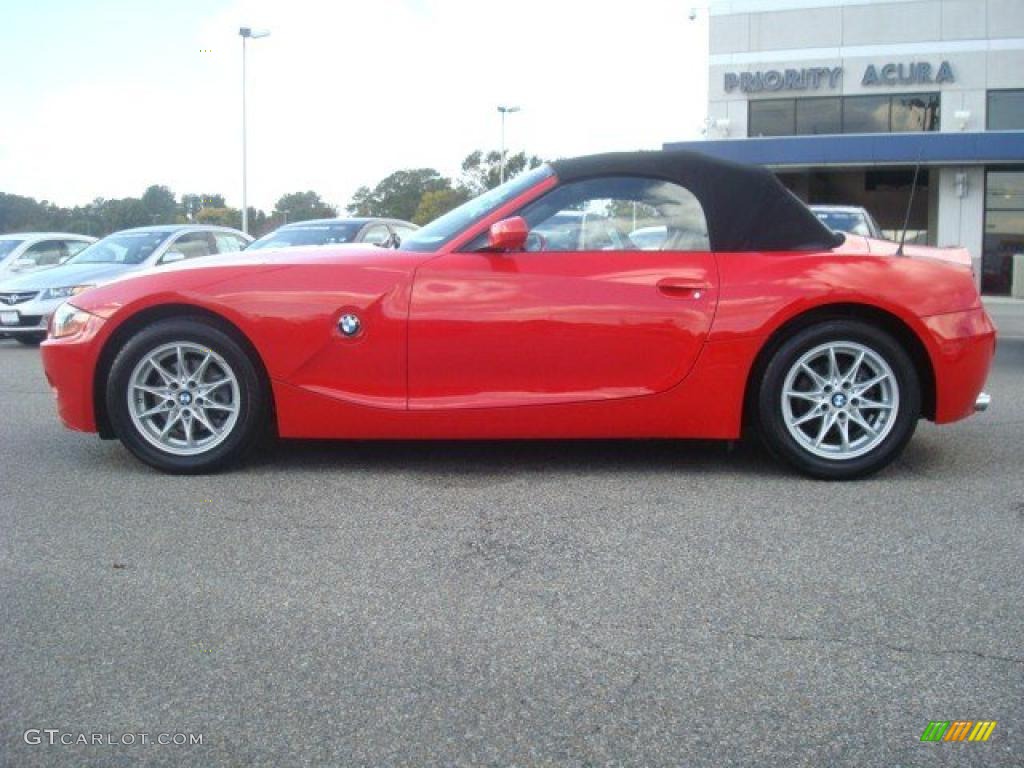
(67, 321)
(64, 293)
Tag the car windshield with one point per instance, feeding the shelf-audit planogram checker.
(845, 221)
(6, 246)
(309, 234)
(443, 229)
(122, 248)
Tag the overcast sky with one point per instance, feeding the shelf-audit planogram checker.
(100, 98)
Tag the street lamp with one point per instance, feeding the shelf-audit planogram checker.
(246, 33)
(504, 111)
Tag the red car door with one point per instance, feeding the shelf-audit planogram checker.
(585, 315)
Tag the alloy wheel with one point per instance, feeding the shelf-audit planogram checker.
(840, 400)
(184, 398)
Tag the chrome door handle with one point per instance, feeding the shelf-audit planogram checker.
(682, 289)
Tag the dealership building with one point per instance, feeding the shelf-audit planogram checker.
(845, 99)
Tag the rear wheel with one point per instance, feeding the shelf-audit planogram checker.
(185, 397)
(839, 400)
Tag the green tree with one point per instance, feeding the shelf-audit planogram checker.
(260, 223)
(101, 217)
(482, 171)
(364, 203)
(123, 214)
(192, 203)
(159, 204)
(398, 195)
(220, 217)
(438, 202)
(302, 206)
(21, 213)
(225, 216)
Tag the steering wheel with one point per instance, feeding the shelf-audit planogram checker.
(535, 241)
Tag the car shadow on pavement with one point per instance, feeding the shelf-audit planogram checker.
(477, 457)
(489, 461)
(748, 458)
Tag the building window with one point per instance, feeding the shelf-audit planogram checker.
(772, 117)
(1004, 229)
(915, 112)
(819, 116)
(1005, 110)
(850, 114)
(866, 114)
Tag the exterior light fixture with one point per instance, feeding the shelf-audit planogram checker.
(961, 184)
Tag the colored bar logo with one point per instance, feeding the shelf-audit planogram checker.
(958, 730)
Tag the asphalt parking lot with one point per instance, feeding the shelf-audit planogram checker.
(610, 603)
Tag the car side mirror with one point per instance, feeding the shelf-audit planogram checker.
(172, 256)
(508, 234)
(20, 264)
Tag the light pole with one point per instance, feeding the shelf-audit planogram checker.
(246, 33)
(501, 163)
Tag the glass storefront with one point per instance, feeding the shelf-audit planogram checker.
(819, 116)
(896, 113)
(882, 192)
(1004, 229)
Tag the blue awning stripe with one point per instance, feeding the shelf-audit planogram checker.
(975, 148)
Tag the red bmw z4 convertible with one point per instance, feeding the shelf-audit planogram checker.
(650, 294)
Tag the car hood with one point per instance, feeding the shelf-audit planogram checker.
(188, 281)
(346, 253)
(66, 275)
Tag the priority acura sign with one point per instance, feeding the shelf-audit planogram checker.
(812, 78)
(817, 78)
(915, 73)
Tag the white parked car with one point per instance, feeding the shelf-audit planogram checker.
(848, 218)
(30, 251)
(27, 301)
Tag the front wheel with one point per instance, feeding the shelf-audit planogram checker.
(185, 397)
(839, 400)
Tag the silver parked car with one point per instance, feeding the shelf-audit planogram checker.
(27, 301)
(29, 251)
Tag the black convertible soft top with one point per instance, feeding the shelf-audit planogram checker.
(747, 208)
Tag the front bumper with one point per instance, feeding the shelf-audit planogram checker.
(70, 367)
(961, 345)
(31, 317)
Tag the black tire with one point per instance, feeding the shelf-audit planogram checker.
(771, 418)
(252, 407)
(30, 339)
